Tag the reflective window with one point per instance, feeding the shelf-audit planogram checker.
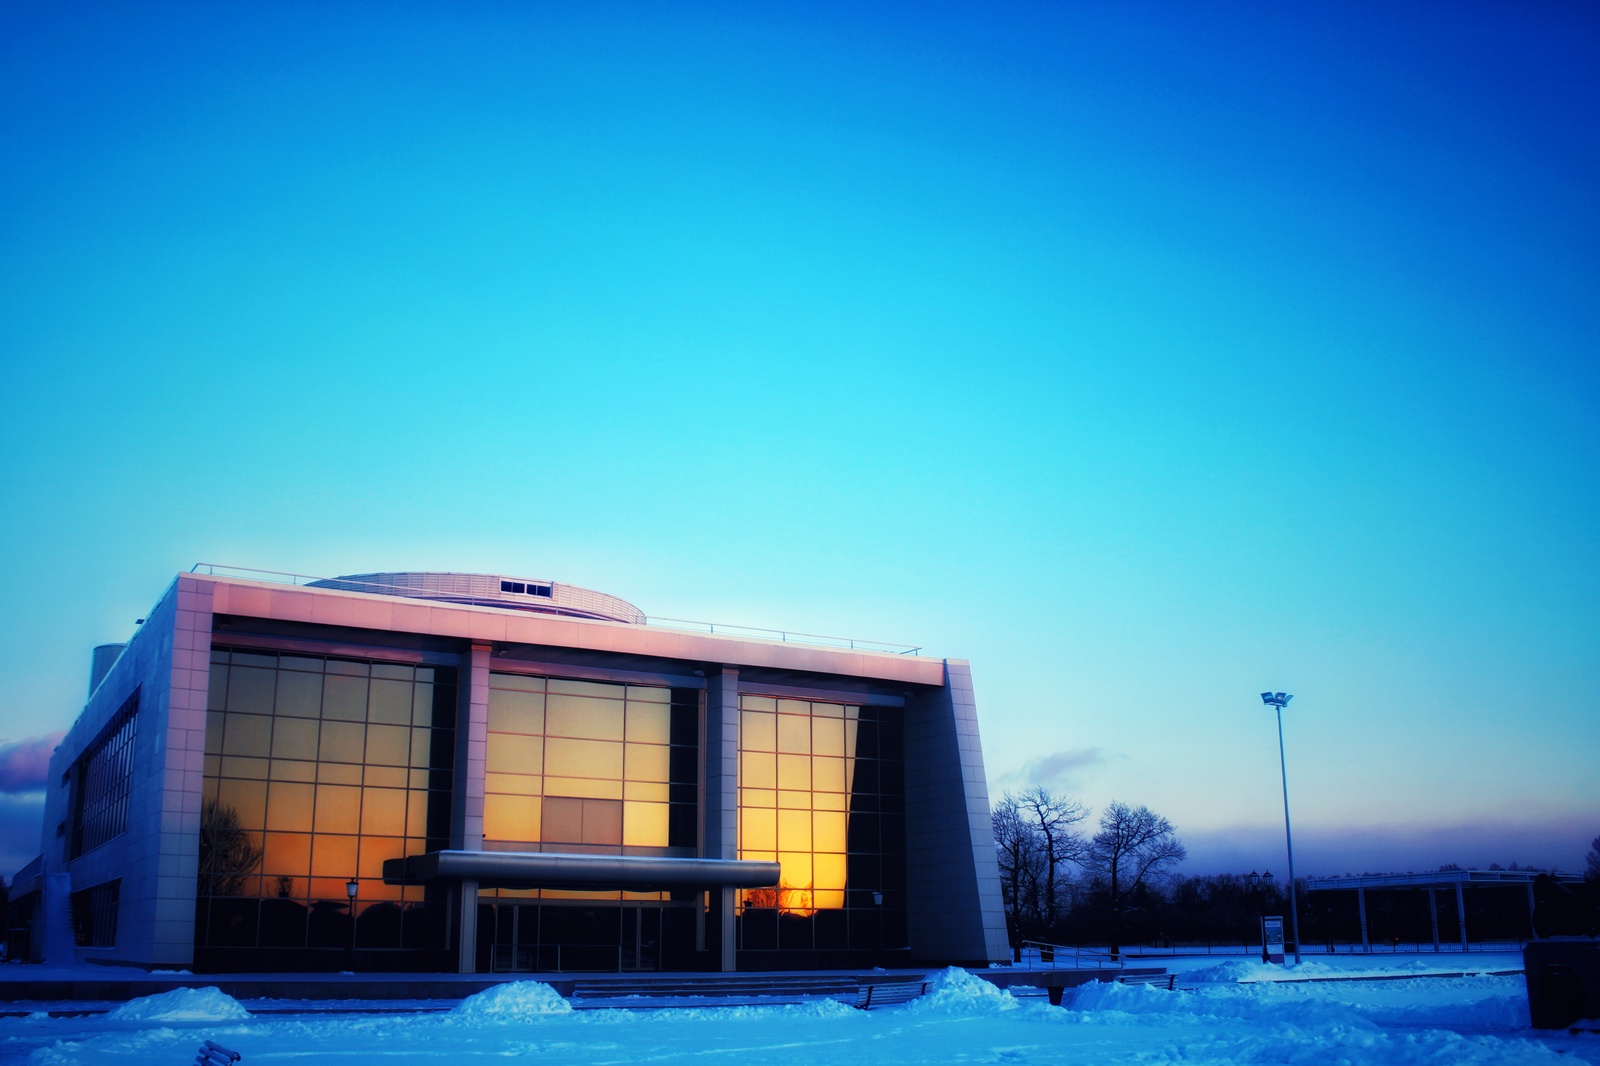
(318, 770)
(591, 766)
(821, 791)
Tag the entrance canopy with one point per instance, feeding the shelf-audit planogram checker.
(547, 869)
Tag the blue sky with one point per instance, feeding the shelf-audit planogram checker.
(1145, 355)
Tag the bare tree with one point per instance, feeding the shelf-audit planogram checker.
(1016, 843)
(1134, 846)
(1054, 818)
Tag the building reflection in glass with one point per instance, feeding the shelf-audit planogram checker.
(316, 770)
(822, 792)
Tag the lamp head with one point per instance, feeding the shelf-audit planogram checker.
(350, 887)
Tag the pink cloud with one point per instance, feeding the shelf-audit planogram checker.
(25, 764)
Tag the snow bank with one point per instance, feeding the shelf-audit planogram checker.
(955, 991)
(653, 1012)
(514, 1001)
(182, 1005)
(1227, 973)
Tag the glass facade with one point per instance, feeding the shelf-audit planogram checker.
(317, 769)
(822, 792)
(589, 766)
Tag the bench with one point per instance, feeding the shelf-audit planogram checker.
(889, 993)
(1170, 980)
(214, 1054)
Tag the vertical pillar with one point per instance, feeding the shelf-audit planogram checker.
(1461, 913)
(722, 802)
(1433, 915)
(467, 949)
(1361, 905)
(466, 809)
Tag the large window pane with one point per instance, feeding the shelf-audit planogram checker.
(344, 698)
(247, 734)
(289, 806)
(645, 824)
(299, 695)
(758, 731)
(515, 754)
(516, 712)
(649, 723)
(388, 745)
(343, 741)
(583, 758)
(583, 717)
(338, 809)
(648, 762)
(250, 690)
(294, 738)
(389, 701)
(794, 734)
(383, 812)
(245, 801)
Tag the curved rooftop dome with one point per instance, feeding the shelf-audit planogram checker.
(492, 590)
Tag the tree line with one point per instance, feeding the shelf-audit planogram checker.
(1063, 884)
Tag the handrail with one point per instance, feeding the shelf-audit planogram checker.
(853, 643)
(784, 635)
(1052, 953)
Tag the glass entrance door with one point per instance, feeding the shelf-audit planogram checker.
(641, 937)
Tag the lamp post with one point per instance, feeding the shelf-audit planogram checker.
(351, 887)
(1278, 701)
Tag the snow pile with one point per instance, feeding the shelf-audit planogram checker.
(182, 1005)
(643, 1011)
(1479, 1004)
(514, 1001)
(1228, 973)
(955, 991)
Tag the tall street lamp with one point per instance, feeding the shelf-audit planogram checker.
(1278, 701)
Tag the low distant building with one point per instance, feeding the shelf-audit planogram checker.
(429, 771)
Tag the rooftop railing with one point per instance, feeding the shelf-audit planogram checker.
(782, 635)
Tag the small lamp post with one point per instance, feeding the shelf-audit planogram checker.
(351, 887)
(1278, 701)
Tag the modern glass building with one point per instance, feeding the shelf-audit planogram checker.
(473, 773)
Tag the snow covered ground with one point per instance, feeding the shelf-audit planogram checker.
(1231, 1011)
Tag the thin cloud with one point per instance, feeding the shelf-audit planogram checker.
(1062, 769)
(25, 764)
